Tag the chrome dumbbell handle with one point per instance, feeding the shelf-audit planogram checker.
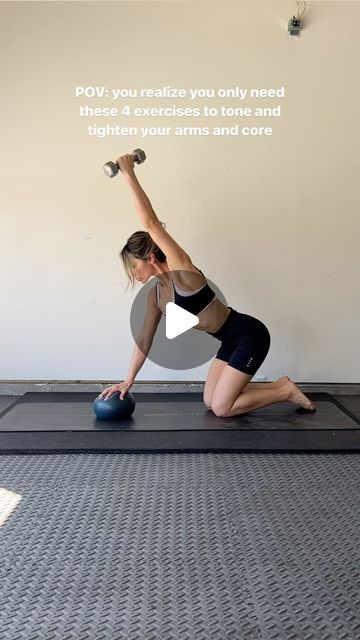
(111, 169)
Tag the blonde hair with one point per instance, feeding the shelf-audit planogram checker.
(139, 245)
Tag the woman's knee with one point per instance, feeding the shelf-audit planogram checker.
(207, 400)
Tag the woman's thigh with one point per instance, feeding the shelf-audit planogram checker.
(214, 373)
(244, 348)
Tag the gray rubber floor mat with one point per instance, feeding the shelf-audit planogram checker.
(7, 401)
(169, 546)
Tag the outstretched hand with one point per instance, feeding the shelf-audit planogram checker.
(121, 389)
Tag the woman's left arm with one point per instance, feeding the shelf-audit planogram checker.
(176, 256)
(142, 203)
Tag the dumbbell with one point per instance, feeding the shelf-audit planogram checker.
(111, 169)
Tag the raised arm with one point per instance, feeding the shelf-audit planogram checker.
(176, 256)
(143, 205)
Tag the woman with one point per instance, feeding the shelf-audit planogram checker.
(245, 341)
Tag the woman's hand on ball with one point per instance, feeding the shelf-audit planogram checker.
(122, 388)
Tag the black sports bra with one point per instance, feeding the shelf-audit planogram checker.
(192, 301)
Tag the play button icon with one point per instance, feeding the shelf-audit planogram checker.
(193, 347)
(178, 320)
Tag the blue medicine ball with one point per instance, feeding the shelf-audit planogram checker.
(113, 408)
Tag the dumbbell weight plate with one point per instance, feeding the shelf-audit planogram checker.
(111, 169)
(140, 156)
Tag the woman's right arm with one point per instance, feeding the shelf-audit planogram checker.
(137, 360)
(141, 348)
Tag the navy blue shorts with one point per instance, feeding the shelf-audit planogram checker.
(245, 342)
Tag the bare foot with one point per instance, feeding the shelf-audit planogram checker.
(297, 397)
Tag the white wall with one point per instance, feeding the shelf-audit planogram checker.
(273, 221)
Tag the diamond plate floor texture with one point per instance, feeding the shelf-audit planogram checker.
(193, 546)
